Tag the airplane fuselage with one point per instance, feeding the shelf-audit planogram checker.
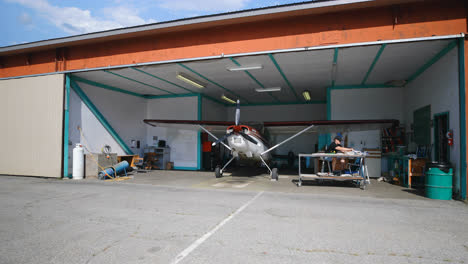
(244, 148)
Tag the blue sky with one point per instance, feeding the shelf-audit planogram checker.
(24, 21)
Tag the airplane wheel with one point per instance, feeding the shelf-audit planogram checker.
(274, 174)
(218, 173)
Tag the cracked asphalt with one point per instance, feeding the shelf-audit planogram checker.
(155, 217)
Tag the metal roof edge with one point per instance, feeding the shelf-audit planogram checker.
(180, 22)
(370, 43)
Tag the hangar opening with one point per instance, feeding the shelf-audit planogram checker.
(415, 82)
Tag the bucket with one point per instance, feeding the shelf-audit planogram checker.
(438, 181)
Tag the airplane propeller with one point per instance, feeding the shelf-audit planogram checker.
(222, 139)
(236, 130)
(237, 113)
(249, 138)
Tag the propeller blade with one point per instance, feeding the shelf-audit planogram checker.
(249, 138)
(221, 139)
(238, 113)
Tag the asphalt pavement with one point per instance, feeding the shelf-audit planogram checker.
(193, 218)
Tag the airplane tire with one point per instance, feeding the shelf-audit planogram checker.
(274, 174)
(218, 173)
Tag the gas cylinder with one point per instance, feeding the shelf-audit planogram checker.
(78, 162)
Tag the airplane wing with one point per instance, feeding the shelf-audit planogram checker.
(212, 126)
(328, 126)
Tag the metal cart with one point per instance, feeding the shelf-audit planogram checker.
(361, 180)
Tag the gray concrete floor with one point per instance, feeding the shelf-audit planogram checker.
(157, 216)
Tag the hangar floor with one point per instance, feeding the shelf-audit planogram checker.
(183, 218)
(248, 180)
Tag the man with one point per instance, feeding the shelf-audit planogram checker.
(335, 147)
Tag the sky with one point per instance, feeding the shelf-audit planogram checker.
(24, 21)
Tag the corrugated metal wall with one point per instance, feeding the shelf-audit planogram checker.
(31, 121)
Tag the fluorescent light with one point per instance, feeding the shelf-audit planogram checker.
(272, 89)
(306, 95)
(228, 99)
(246, 68)
(189, 80)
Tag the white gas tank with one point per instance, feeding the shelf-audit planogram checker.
(78, 162)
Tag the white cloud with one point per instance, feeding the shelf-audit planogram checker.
(77, 21)
(204, 5)
(126, 16)
(25, 19)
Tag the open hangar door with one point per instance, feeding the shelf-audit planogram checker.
(32, 125)
(388, 80)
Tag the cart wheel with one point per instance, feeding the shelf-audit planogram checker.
(299, 184)
(274, 174)
(218, 172)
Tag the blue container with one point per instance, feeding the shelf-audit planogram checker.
(115, 170)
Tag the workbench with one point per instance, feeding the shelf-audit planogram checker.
(362, 179)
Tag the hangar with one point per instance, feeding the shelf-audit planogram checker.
(318, 60)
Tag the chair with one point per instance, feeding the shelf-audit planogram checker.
(352, 168)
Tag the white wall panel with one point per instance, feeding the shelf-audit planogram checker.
(438, 87)
(213, 111)
(370, 103)
(32, 126)
(124, 113)
(303, 112)
(183, 143)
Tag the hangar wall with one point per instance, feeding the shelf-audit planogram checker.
(32, 119)
(183, 143)
(438, 86)
(212, 111)
(368, 103)
(123, 112)
(296, 112)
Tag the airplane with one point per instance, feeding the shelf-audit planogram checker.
(247, 143)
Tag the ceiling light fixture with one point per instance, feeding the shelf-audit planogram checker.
(306, 95)
(228, 99)
(246, 68)
(184, 77)
(272, 89)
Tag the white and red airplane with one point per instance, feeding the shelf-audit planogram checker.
(245, 142)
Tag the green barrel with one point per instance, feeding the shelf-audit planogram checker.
(439, 181)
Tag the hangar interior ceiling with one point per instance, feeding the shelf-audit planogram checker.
(295, 72)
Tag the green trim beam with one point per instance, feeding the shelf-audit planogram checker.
(66, 126)
(462, 105)
(278, 67)
(199, 141)
(335, 63)
(133, 80)
(162, 79)
(105, 86)
(211, 81)
(433, 60)
(100, 117)
(290, 103)
(377, 56)
(255, 79)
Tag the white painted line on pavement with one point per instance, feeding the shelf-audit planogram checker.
(202, 239)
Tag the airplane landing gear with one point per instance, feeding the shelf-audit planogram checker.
(218, 172)
(274, 174)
